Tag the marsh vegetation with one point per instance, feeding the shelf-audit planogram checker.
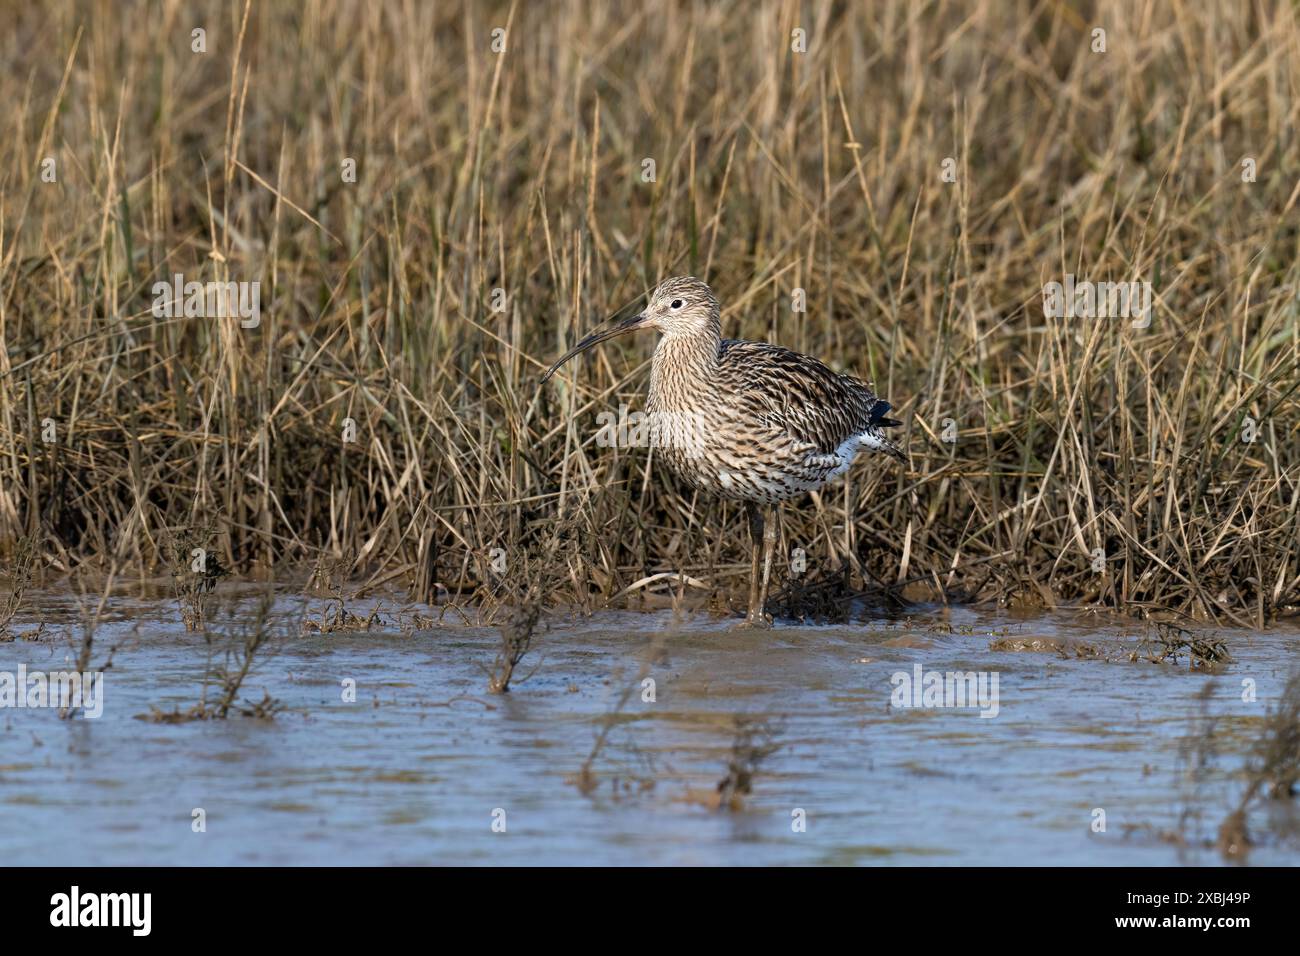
(386, 407)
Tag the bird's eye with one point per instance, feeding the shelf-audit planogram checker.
(676, 304)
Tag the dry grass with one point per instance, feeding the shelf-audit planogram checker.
(775, 170)
(20, 578)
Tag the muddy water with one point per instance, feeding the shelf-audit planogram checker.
(419, 767)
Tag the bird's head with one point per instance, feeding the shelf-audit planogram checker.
(681, 306)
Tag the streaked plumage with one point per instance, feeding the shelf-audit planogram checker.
(746, 421)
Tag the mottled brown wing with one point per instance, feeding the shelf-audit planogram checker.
(797, 394)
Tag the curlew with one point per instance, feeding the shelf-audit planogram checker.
(745, 421)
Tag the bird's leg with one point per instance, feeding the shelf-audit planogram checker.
(755, 535)
(769, 544)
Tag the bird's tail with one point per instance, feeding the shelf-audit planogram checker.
(893, 450)
(875, 439)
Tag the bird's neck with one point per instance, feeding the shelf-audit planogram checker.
(682, 373)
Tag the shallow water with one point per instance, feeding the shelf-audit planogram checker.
(415, 769)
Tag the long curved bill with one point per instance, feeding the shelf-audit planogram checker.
(614, 327)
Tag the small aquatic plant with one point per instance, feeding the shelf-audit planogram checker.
(586, 779)
(20, 578)
(1272, 772)
(336, 618)
(222, 681)
(516, 638)
(754, 742)
(90, 619)
(195, 571)
(1169, 642)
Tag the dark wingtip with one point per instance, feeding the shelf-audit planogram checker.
(878, 411)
